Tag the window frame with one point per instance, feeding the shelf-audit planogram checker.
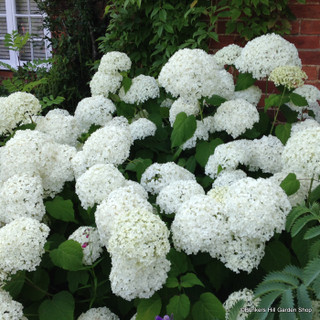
(12, 24)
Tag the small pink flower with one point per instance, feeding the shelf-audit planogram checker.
(85, 245)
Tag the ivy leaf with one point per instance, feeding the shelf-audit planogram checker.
(189, 280)
(68, 255)
(290, 184)
(60, 307)
(61, 209)
(179, 306)
(183, 129)
(208, 307)
(298, 100)
(244, 81)
(283, 132)
(149, 308)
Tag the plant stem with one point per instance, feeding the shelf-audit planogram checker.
(38, 288)
(95, 286)
(278, 109)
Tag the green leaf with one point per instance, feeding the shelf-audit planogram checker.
(215, 100)
(179, 306)
(172, 282)
(68, 255)
(189, 280)
(244, 81)
(281, 276)
(149, 308)
(205, 149)
(314, 195)
(304, 301)
(275, 100)
(14, 286)
(316, 287)
(312, 233)
(295, 213)
(208, 307)
(61, 209)
(75, 278)
(290, 184)
(265, 288)
(265, 303)
(139, 166)
(300, 223)
(126, 83)
(287, 302)
(283, 132)
(234, 311)
(183, 129)
(179, 262)
(311, 271)
(298, 100)
(60, 307)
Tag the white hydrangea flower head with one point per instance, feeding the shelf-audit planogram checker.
(227, 55)
(97, 182)
(141, 236)
(256, 208)
(130, 279)
(252, 95)
(224, 86)
(121, 201)
(142, 89)
(240, 253)
(189, 73)
(265, 53)
(159, 175)
(62, 127)
(218, 193)
(235, 117)
(201, 133)
(17, 107)
(114, 61)
(250, 302)
(209, 124)
(89, 239)
(166, 103)
(189, 106)
(9, 308)
(301, 154)
(228, 156)
(142, 128)
(228, 177)
(22, 245)
(290, 77)
(105, 83)
(198, 225)
(79, 164)
(302, 125)
(102, 313)
(175, 193)
(110, 144)
(96, 110)
(21, 196)
(266, 154)
(134, 188)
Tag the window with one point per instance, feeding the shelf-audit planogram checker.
(23, 16)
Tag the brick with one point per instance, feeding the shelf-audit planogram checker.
(311, 71)
(305, 41)
(310, 11)
(225, 40)
(295, 27)
(310, 57)
(310, 27)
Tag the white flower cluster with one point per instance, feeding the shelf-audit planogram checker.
(142, 128)
(96, 110)
(227, 55)
(142, 88)
(89, 239)
(265, 53)
(252, 94)
(9, 308)
(102, 313)
(189, 106)
(60, 126)
(250, 302)
(16, 108)
(201, 133)
(159, 175)
(108, 78)
(93, 186)
(35, 153)
(235, 117)
(21, 247)
(21, 196)
(228, 177)
(194, 73)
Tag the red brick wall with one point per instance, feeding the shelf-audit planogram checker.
(305, 35)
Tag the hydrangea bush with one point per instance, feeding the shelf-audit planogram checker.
(171, 196)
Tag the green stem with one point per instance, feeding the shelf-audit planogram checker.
(177, 154)
(38, 288)
(278, 109)
(309, 191)
(95, 286)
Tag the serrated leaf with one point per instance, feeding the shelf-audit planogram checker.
(311, 271)
(205, 149)
(294, 214)
(60, 307)
(314, 249)
(265, 303)
(61, 209)
(234, 311)
(300, 223)
(294, 271)
(208, 307)
(290, 184)
(244, 81)
(189, 280)
(183, 129)
(312, 233)
(314, 195)
(281, 276)
(179, 306)
(149, 308)
(68, 255)
(304, 301)
(298, 100)
(316, 287)
(267, 287)
(287, 302)
(283, 132)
